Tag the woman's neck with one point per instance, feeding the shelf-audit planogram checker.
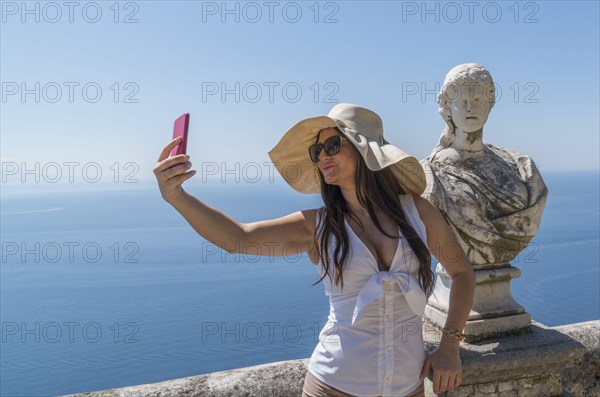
(352, 203)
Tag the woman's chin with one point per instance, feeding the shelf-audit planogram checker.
(330, 180)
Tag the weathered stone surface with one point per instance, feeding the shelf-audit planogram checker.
(583, 379)
(521, 366)
(493, 198)
(544, 386)
(277, 379)
(542, 352)
(494, 312)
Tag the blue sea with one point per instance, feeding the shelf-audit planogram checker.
(109, 288)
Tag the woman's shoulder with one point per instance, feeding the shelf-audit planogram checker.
(429, 213)
(312, 217)
(418, 200)
(424, 207)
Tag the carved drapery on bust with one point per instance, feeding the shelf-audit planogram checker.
(493, 198)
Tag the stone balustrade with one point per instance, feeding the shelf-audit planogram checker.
(523, 365)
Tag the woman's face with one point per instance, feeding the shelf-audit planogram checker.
(338, 169)
(470, 106)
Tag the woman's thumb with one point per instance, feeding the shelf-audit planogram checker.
(425, 370)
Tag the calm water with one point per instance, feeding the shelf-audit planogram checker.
(108, 289)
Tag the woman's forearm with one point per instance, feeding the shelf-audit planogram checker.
(210, 223)
(461, 300)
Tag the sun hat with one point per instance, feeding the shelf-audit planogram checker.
(364, 129)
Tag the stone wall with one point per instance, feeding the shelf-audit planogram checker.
(285, 378)
(584, 378)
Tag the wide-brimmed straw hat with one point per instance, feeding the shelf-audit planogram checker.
(364, 129)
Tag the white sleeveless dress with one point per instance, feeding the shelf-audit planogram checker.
(372, 343)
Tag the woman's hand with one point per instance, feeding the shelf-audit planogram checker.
(446, 365)
(170, 172)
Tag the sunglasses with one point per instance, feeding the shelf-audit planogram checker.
(332, 146)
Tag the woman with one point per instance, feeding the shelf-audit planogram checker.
(372, 344)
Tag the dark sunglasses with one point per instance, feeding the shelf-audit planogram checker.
(332, 146)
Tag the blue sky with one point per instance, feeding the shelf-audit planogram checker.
(544, 56)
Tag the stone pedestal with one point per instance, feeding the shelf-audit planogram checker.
(494, 311)
(525, 365)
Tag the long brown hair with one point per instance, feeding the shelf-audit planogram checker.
(374, 190)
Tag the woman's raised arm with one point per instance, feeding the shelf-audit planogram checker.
(289, 235)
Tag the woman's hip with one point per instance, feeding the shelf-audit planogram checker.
(314, 387)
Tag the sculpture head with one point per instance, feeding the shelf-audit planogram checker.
(465, 101)
(467, 97)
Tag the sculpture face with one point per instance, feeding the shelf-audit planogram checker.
(470, 106)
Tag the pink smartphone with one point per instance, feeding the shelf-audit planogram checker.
(180, 128)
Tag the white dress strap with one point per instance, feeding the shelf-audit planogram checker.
(413, 217)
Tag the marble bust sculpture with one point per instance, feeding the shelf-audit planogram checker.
(492, 198)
